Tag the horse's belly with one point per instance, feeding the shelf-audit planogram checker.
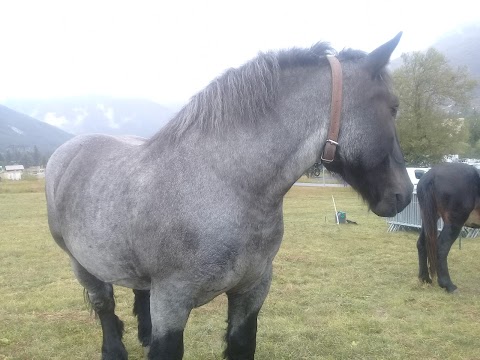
(119, 275)
(230, 281)
(473, 220)
(137, 283)
(110, 266)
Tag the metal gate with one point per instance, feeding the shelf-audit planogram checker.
(410, 219)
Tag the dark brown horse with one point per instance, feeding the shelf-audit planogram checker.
(450, 191)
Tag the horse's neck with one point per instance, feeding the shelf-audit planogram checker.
(274, 153)
(269, 156)
(303, 118)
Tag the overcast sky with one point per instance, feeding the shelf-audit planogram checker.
(166, 51)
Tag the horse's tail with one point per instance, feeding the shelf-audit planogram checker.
(429, 212)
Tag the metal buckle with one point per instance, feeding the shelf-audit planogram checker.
(328, 161)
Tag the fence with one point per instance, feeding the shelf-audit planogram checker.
(410, 219)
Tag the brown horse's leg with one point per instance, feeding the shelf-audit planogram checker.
(422, 258)
(447, 237)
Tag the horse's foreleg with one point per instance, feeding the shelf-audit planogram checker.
(243, 309)
(141, 308)
(422, 258)
(100, 295)
(447, 237)
(170, 307)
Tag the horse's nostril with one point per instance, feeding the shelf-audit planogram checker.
(402, 200)
(399, 199)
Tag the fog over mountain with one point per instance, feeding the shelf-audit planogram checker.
(462, 48)
(22, 132)
(120, 116)
(97, 114)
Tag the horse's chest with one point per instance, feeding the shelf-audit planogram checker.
(473, 220)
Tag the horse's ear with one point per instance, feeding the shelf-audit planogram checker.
(379, 58)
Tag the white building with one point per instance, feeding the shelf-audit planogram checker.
(415, 174)
(13, 172)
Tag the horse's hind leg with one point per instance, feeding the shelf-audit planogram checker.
(422, 258)
(447, 237)
(100, 295)
(243, 309)
(141, 308)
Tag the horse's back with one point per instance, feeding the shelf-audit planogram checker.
(454, 188)
(450, 178)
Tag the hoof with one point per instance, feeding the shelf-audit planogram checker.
(452, 289)
(425, 280)
(119, 355)
(448, 286)
(114, 352)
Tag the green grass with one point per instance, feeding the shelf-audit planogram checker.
(339, 292)
(329, 179)
(30, 185)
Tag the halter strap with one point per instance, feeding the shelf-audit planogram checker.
(336, 110)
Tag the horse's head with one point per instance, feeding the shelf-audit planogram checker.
(369, 157)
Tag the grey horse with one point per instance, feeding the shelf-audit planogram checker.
(131, 211)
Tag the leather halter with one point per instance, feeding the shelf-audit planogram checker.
(336, 110)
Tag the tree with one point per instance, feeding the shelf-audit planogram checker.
(37, 157)
(26, 159)
(432, 96)
(473, 121)
(44, 160)
(9, 157)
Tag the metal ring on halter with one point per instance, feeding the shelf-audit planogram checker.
(332, 142)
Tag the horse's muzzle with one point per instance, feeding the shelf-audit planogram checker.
(393, 203)
(403, 200)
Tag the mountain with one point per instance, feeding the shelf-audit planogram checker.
(24, 132)
(97, 114)
(462, 48)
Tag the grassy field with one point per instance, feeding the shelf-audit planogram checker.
(339, 291)
(329, 179)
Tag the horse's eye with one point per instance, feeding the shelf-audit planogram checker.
(394, 110)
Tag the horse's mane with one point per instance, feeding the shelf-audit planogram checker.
(246, 93)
